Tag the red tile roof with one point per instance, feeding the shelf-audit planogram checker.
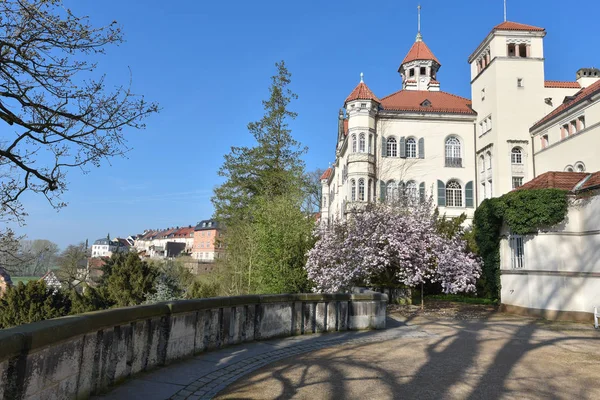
(555, 180)
(577, 98)
(184, 232)
(515, 26)
(419, 51)
(562, 85)
(593, 181)
(362, 92)
(326, 174)
(441, 102)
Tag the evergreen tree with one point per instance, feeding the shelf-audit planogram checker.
(126, 280)
(271, 168)
(32, 302)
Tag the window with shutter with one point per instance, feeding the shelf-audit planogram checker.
(402, 147)
(383, 147)
(382, 187)
(469, 194)
(441, 193)
(422, 191)
(421, 148)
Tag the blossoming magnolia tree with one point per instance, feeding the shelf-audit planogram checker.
(389, 245)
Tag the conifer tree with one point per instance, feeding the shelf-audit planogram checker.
(271, 168)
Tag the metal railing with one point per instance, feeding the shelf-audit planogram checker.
(453, 162)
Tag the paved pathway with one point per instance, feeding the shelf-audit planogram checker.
(418, 359)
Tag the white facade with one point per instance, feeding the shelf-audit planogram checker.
(569, 140)
(418, 141)
(556, 270)
(510, 94)
(106, 248)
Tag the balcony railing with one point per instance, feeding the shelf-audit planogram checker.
(454, 162)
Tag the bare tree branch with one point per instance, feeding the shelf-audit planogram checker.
(57, 115)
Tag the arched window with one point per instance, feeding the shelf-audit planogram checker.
(411, 148)
(569, 168)
(391, 191)
(489, 159)
(361, 142)
(353, 190)
(370, 143)
(579, 167)
(453, 153)
(453, 194)
(482, 163)
(411, 190)
(516, 156)
(392, 147)
(354, 142)
(370, 183)
(361, 189)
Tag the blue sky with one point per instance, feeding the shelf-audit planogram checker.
(208, 64)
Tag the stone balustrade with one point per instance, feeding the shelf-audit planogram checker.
(77, 356)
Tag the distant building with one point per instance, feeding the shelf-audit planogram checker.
(555, 273)
(207, 246)
(106, 247)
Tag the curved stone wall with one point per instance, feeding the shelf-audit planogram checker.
(77, 356)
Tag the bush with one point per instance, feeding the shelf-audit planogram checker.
(32, 302)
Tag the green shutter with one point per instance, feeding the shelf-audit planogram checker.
(441, 194)
(469, 194)
(402, 147)
(382, 191)
(383, 147)
(421, 148)
(422, 191)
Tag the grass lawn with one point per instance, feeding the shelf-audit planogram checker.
(24, 279)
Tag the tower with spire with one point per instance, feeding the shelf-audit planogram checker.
(420, 67)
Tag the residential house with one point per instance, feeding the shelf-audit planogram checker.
(207, 246)
(106, 247)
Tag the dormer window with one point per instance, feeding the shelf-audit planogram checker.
(426, 103)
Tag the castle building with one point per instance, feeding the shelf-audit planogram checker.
(422, 141)
(417, 141)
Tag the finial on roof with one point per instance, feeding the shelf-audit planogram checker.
(419, 36)
(362, 76)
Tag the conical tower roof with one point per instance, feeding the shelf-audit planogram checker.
(419, 51)
(362, 92)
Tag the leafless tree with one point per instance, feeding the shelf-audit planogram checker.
(72, 270)
(59, 114)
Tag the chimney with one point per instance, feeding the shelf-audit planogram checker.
(588, 76)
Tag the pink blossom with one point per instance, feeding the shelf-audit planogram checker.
(397, 244)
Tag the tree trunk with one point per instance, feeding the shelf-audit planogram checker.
(422, 302)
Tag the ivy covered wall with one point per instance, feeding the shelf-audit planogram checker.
(524, 212)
